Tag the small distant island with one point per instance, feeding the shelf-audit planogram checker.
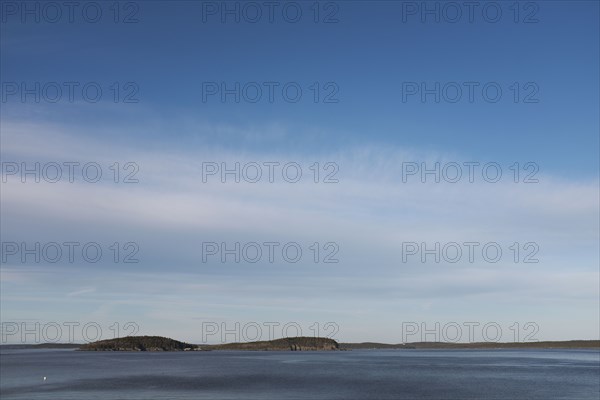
(159, 343)
(301, 343)
(138, 343)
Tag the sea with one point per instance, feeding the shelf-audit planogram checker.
(357, 374)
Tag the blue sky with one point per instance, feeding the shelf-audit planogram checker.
(367, 58)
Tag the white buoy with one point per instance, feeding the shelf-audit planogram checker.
(44, 379)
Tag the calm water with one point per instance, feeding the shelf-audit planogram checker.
(388, 374)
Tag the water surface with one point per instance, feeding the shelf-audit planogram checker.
(363, 374)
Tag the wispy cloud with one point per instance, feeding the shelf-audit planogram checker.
(369, 214)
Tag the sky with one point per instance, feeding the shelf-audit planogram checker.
(403, 169)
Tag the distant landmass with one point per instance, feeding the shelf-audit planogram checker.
(159, 343)
(41, 346)
(568, 344)
(301, 343)
(138, 343)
